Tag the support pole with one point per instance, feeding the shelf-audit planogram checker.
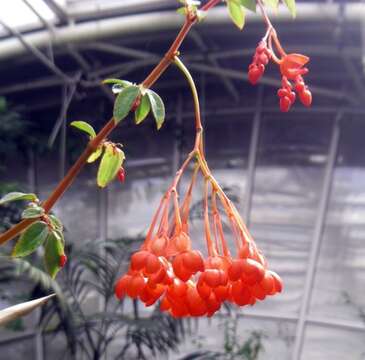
(317, 236)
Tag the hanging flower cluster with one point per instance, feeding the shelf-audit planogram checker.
(168, 268)
(291, 67)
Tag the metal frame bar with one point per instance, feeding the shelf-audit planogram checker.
(49, 26)
(317, 235)
(67, 96)
(77, 56)
(58, 11)
(37, 53)
(44, 21)
(252, 156)
(227, 83)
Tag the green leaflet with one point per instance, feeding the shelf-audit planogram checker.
(124, 102)
(236, 12)
(53, 249)
(95, 155)
(143, 110)
(32, 237)
(85, 127)
(158, 108)
(110, 163)
(15, 196)
(33, 212)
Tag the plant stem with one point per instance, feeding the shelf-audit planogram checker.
(108, 128)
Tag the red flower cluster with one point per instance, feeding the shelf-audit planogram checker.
(259, 61)
(168, 268)
(291, 68)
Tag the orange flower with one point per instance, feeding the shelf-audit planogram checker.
(291, 65)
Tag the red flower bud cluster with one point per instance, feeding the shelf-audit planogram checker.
(260, 60)
(169, 269)
(291, 68)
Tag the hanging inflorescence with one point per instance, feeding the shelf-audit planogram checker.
(167, 267)
(292, 67)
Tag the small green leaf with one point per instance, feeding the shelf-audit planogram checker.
(31, 239)
(236, 12)
(182, 10)
(53, 250)
(124, 102)
(158, 108)
(123, 83)
(291, 6)
(142, 110)
(249, 4)
(110, 163)
(55, 222)
(33, 212)
(272, 3)
(85, 127)
(95, 155)
(15, 196)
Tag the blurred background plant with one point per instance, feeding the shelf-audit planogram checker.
(234, 347)
(85, 310)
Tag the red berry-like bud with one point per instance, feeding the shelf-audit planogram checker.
(306, 97)
(121, 175)
(285, 104)
(292, 97)
(283, 92)
(254, 75)
(285, 83)
(299, 87)
(63, 260)
(264, 59)
(261, 47)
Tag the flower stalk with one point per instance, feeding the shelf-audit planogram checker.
(167, 267)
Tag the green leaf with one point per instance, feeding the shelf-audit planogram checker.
(272, 3)
(55, 222)
(95, 155)
(291, 6)
(15, 196)
(182, 10)
(85, 127)
(33, 212)
(237, 13)
(110, 163)
(53, 250)
(33, 236)
(158, 108)
(124, 102)
(249, 4)
(142, 110)
(123, 83)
